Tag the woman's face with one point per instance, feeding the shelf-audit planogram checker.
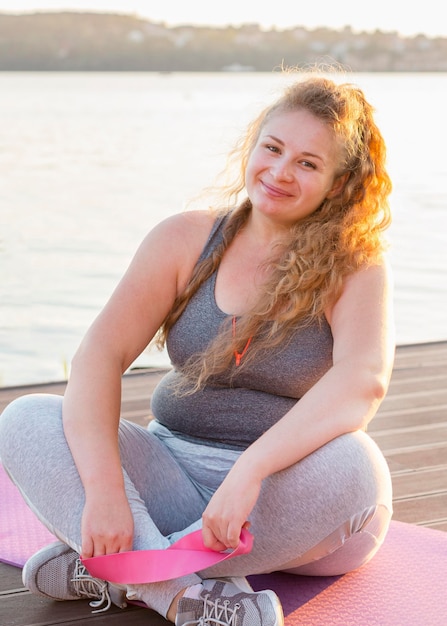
(292, 167)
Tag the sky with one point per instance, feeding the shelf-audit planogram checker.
(385, 15)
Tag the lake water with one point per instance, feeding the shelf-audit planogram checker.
(90, 162)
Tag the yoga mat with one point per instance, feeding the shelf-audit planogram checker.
(405, 584)
(21, 533)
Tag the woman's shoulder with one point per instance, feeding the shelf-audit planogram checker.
(189, 226)
(180, 240)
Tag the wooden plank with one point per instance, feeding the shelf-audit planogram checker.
(417, 457)
(416, 398)
(410, 428)
(10, 579)
(396, 439)
(434, 507)
(437, 525)
(409, 484)
(421, 378)
(418, 354)
(408, 418)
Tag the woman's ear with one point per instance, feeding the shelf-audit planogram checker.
(338, 185)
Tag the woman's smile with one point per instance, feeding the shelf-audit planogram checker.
(273, 191)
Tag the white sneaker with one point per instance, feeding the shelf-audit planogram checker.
(56, 572)
(230, 602)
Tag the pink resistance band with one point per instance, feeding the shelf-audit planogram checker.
(149, 566)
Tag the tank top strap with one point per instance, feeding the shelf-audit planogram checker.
(215, 237)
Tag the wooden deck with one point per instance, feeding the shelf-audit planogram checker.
(410, 428)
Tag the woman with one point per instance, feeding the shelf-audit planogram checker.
(277, 318)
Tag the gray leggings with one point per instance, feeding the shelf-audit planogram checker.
(326, 515)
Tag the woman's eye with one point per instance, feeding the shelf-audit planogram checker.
(308, 164)
(272, 148)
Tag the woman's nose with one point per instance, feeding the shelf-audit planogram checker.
(282, 170)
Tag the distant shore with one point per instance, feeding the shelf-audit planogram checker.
(100, 42)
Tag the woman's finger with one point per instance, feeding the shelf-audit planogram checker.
(211, 541)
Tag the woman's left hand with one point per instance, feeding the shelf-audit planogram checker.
(228, 510)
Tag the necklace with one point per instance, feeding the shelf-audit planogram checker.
(239, 355)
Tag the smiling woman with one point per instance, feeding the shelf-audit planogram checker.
(296, 264)
(277, 318)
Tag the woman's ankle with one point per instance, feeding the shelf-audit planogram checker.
(172, 611)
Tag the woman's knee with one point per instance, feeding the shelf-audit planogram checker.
(349, 547)
(25, 420)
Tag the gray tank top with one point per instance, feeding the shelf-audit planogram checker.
(245, 402)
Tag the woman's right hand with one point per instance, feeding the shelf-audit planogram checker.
(107, 524)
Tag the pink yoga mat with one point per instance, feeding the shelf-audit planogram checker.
(405, 584)
(21, 533)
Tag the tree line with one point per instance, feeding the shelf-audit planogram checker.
(68, 41)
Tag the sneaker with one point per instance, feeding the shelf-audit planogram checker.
(225, 602)
(56, 572)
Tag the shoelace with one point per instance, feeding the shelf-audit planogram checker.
(218, 613)
(90, 587)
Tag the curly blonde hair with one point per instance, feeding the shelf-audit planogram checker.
(308, 270)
